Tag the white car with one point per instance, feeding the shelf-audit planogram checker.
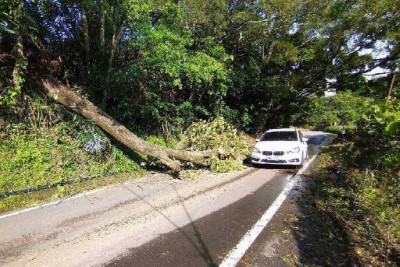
(280, 147)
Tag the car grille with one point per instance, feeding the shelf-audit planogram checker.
(273, 161)
(275, 153)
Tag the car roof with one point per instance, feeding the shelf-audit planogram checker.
(282, 130)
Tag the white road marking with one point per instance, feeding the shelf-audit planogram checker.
(56, 202)
(53, 203)
(247, 240)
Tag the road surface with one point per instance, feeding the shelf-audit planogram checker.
(153, 221)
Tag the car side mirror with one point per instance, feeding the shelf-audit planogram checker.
(258, 140)
(304, 139)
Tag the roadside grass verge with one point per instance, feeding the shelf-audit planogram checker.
(350, 226)
(50, 157)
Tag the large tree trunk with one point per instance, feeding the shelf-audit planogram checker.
(19, 62)
(102, 27)
(169, 157)
(86, 38)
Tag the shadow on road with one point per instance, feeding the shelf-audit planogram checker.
(201, 247)
(195, 239)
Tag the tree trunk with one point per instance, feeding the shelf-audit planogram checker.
(168, 157)
(86, 39)
(391, 86)
(102, 29)
(117, 34)
(19, 62)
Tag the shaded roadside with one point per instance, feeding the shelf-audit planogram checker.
(323, 224)
(334, 227)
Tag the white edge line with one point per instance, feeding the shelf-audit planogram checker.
(247, 240)
(51, 203)
(56, 202)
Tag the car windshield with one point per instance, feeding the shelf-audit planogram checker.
(279, 136)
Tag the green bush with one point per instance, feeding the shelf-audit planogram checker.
(377, 141)
(358, 205)
(162, 141)
(218, 134)
(371, 162)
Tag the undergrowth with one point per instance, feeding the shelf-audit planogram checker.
(29, 161)
(42, 144)
(362, 208)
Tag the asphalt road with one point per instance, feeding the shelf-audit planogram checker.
(206, 241)
(154, 221)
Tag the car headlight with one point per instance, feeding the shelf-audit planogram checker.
(294, 150)
(256, 150)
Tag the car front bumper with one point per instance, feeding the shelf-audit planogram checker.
(286, 159)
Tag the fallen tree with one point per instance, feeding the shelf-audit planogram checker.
(169, 157)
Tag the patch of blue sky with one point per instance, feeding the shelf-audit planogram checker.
(380, 50)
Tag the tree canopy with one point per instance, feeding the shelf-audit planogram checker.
(164, 64)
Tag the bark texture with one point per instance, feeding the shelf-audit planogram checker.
(168, 157)
(102, 25)
(86, 38)
(19, 62)
(391, 86)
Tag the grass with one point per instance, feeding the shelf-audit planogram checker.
(29, 161)
(52, 156)
(348, 218)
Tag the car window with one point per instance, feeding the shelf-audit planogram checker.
(300, 135)
(279, 136)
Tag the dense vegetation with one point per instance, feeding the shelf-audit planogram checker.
(36, 153)
(360, 176)
(164, 68)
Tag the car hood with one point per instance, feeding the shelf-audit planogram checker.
(276, 145)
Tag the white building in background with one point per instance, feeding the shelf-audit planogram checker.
(330, 89)
(330, 92)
